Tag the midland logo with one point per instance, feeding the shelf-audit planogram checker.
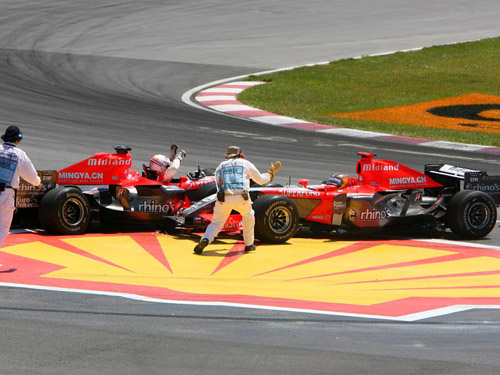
(470, 112)
(105, 161)
(376, 167)
(401, 280)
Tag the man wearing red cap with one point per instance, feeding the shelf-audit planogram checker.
(13, 163)
(233, 182)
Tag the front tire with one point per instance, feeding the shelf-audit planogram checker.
(471, 214)
(276, 218)
(64, 211)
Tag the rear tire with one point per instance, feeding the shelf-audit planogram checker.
(471, 214)
(276, 218)
(64, 210)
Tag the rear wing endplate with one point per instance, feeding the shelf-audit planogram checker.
(465, 179)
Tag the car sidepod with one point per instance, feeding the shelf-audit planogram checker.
(139, 203)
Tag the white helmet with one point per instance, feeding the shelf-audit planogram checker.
(159, 163)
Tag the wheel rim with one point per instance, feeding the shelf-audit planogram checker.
(479, 215)
(73, 212)
(280, 220)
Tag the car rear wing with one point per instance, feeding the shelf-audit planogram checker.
(462, 178)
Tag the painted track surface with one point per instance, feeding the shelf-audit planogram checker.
(401, 280)
(79, 78)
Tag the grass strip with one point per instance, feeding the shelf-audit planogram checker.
(317, 93)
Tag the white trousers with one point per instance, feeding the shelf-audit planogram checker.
(6, 213)
(222, 212)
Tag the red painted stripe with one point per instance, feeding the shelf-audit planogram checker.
(231, 86)
(490, 150)
(335, 253)
(236, 252)
(150, 244)
(217, 94)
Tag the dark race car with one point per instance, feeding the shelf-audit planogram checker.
(103, 189)
(385, 196)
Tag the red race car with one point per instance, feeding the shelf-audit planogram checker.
(385, 196)
(103, 189)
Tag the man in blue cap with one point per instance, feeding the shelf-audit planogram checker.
(13, 163)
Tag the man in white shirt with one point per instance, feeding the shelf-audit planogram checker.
(233, 182)
(13, 163)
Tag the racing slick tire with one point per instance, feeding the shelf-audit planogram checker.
(276, 218)
(203, 192)
(471, 214)
(64, 210)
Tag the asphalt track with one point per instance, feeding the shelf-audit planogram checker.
(79, 78)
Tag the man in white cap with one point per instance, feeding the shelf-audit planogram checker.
(233, 182)
(13, 163)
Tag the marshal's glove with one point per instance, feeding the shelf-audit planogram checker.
(275, 167)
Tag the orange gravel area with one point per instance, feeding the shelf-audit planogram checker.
(469, 112)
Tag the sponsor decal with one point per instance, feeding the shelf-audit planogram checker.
(470, 112)
(94, 176)
(376, 167)
(403, 181)
(29, 196)
(195, 184)
(122, 192)
(454, 170)
(480, 181)
(321, 217)
(401, 280)
(339, 204)
(107, 161)
(153, 207)
(338, 209)
(232, 224)
(374, 214)
(302, 193)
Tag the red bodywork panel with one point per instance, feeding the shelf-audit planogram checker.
(114, 169)
(389, 175)
(103, 169)
(327, 204)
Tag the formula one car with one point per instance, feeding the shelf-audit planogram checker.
(103, 188)
(385, 196)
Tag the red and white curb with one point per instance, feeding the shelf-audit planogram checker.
(222, 98)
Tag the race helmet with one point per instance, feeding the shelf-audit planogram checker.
(159, 164)
(339, 180)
